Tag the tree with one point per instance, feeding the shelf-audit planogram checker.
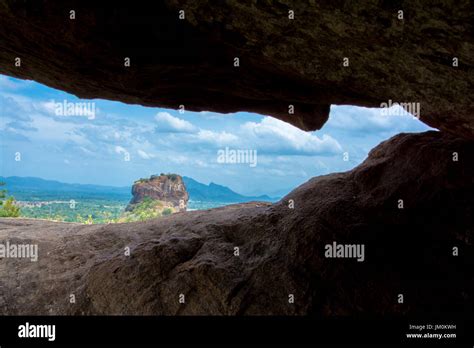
(167, 211)
(7, 206)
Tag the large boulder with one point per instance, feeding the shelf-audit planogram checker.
(409, 204)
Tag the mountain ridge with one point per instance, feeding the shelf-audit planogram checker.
(218, 192)
(23, 188)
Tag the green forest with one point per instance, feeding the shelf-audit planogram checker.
(87, 210)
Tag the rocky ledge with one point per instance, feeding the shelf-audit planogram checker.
(300, 56)
(409, 204)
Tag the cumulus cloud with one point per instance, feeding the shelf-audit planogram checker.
(370, 120)
(269, 135)
(217, 138)
(274, 136)
(170, 124)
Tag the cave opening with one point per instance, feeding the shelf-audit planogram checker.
(97, 161)
(301, 172)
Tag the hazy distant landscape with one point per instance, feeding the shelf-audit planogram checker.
(49, 199)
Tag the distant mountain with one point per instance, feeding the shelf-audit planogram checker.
(213, 192)
(31, 188)
(278, 194)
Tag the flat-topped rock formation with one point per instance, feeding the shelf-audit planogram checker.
(166, 188)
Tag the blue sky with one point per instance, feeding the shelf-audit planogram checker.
(125, 142)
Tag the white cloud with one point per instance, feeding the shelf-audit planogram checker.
(145, 155)
(120, 150)
(371, 120)
(171, 124)
(177, 158)
(48, 106)
(218, 138)
(201, 163)
(87, 151)
(275, 136)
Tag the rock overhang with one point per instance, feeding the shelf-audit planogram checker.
(328, 53)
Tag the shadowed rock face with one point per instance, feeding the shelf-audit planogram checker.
(283, 61)
(408, 251)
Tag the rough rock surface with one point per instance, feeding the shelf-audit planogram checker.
(283, 61)
(169, 189)
(407, 251)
